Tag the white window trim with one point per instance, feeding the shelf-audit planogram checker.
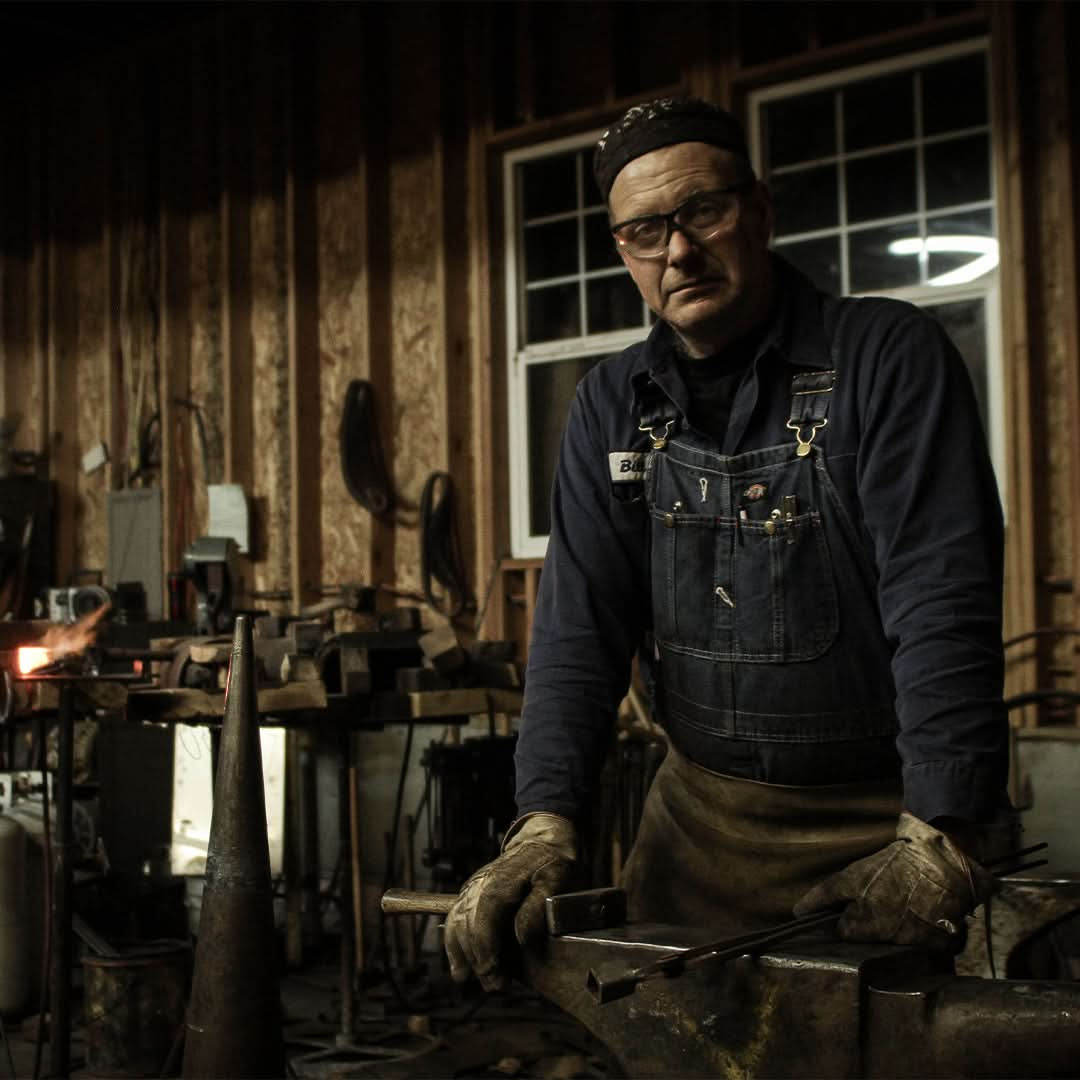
(526, 544)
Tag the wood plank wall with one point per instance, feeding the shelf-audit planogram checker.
(226, 226)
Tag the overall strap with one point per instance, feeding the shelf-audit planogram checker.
(811, 391)
(658, 414)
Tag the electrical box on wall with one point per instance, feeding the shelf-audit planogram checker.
(228, 513)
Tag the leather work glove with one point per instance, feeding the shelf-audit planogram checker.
(537, 861)
(916, 891)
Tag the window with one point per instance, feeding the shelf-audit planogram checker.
(882, 182)
(571, 302)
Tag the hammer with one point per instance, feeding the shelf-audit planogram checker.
(567, 913)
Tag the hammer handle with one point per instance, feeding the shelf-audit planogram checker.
(408, 902)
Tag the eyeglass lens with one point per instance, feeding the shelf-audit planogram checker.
(701, 218)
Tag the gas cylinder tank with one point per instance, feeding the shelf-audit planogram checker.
(14, 931)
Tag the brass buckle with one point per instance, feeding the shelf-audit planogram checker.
(658, 441)
(804, 444)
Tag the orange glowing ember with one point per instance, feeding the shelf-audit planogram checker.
(32, 657)
(60, 641)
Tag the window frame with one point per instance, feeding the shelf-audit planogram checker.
(520, 356)
(986, 287)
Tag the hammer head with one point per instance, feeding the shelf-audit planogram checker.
(589, 909)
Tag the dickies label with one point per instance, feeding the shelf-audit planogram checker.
(626, 465)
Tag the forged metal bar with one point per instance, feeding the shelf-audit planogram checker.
(605, 989)
(1010, 855)
(589, 909)
(1010, 870)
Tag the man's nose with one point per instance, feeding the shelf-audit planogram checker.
(680, 247)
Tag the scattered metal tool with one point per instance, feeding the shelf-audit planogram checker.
(610, 988)
(589, 909)
(1012, 856)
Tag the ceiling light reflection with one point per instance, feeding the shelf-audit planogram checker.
(984, 247)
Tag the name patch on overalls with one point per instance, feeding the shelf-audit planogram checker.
(626, 465)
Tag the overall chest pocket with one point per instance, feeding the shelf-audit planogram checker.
(744, 590)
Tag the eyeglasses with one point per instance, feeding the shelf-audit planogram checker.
(700, 218)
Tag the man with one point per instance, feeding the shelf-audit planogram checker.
(783, 501)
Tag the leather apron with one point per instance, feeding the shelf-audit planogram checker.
(735, 854)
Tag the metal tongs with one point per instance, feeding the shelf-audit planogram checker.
(605, 989)
(609, 989)
(1010, 856)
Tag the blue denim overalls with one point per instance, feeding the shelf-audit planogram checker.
(772, 675)
(767, 629)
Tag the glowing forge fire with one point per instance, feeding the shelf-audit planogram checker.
(32, 657)
(60, 641)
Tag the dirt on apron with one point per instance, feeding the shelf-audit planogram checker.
(736, 854)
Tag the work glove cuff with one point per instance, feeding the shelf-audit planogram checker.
(932, 843)
(541, 827)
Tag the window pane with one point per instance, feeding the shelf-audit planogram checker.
(954, 94)
(549, 389)
(549, 186)
(879, 112)
(965, 323)
(882, 185)
(551, 250)
(613, 303)
(552, 312)
(818, 259)
(872, 267)
(958, 171)
(805, 200)
(599, 244)
(800, 129)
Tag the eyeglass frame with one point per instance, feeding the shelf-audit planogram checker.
(669, 219)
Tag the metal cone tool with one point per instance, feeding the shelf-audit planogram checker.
(234, 1023)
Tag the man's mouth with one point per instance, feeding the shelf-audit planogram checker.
(692, 286)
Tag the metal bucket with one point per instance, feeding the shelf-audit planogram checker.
(135, 1005)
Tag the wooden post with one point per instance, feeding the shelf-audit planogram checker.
(301, 233)
(62, 321)
(234, 132)
(1067, 187)
(175, 324)
(1021, 573)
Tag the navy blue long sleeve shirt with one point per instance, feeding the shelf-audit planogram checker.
(906, 449)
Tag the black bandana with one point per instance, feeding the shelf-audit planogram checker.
(662, 123)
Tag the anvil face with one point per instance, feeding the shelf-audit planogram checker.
(811, 1008)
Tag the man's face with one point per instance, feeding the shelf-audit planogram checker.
(710, 292)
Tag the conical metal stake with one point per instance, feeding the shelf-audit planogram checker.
(234, 1015)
